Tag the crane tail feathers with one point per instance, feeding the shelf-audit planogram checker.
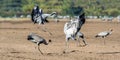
(46, 21)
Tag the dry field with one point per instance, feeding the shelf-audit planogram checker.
(15, 46)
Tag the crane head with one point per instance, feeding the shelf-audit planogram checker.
(111, 29)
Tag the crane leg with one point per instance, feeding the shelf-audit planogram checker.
(40, 50)
(46, 30)
(78, 42)
(66, 46)
(84, 42)
(83, 39)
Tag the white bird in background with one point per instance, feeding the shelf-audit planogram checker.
(104, 34)
(38, 40)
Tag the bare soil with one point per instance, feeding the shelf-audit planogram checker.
(15, 46)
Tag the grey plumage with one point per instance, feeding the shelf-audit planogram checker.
(41, 19)
(104, 33)
(37, 39)
(72, 28)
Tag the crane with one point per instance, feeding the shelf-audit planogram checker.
(72, 28)
(38, 40)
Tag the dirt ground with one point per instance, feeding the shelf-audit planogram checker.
(15, 46)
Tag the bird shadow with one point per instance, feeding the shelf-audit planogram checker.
(51, 54)
(60, 54)
(109, 53)
(73, 51)
(82, 45)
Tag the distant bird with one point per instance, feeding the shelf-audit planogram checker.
(36, 14)
(104, 34)
(45, 16)
(41, 19)
(37, 39)
(72, 28)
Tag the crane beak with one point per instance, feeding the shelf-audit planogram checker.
(111, 29)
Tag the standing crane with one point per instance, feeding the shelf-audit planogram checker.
(43, 18)
(72, 28)
(37, 15)
(104, 33)
(38, 40)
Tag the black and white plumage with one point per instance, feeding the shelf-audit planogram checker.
(45, 16)
(72, 28)
(39, 17)
(104, 33)
(37, 39)
(36, 15)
